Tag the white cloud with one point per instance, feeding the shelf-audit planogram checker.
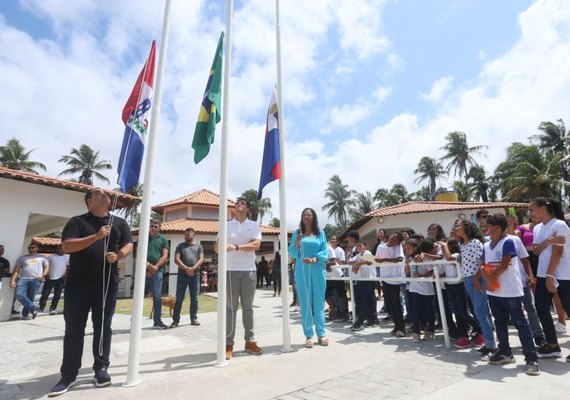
(439, 89)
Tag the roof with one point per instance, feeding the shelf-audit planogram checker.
(416, 207)
(46, 241)
(202, 197)
(203, 226)
(124, 200)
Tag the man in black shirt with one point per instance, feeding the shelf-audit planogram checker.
(95, 242)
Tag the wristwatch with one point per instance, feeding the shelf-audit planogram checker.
(237, 247)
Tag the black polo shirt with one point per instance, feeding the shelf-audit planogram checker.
(87, 265)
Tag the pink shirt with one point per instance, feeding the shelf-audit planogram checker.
(526, 235)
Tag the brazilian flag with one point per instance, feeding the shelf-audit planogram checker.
(210, 110)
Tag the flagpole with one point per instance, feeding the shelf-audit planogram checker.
(282, 197)
(140, 266)
(223, 218)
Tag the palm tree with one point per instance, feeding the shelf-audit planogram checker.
(258, 207)
(553, 140)
(527, 173)
(85, 162)
(480, 183)
(131, 212)
(363, 204)
(462, 190)
(459, 153)
(431, 170)
(397, 195)
(14, 156)
(340, 200)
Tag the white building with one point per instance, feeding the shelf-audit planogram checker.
(200, 211)
(418, 215)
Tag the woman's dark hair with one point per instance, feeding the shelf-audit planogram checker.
(471, 230)
(453, 246)
(426, 245)
(440, 234)
(415, 244)
(315, 226)
(499, 220)
(553, 207)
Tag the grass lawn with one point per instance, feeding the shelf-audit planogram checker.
(205, 304)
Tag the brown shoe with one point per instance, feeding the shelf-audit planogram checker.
(253, 348)
(229, 351)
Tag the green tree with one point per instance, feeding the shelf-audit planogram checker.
(85, 162)
(275, 222)
(363, 204)
(331, 230)
(479, 185)
(14, 156)
(462, 190)
(458, 153)
(554, 139)
(430, 170)
(340, 200)
(527, 173)
(258, 207)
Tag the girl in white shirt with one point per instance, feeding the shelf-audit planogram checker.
(551, 241)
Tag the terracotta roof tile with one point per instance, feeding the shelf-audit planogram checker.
(124, 200)
(46, 241)
(200, 197)
(415, 207)
(202, 226)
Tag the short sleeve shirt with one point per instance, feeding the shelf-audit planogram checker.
(155, 246)
(242, 233)
(57, 265)
(87, 266)
(471, 257)
(31, 265)
(189, 254)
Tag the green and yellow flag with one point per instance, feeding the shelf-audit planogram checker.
(210, 110)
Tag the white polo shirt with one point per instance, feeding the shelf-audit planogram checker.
(554, 227)
(242, 233)
(57, 265)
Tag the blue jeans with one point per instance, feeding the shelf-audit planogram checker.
(457, 297)
(184, 281)
(532, 316)
(79, 300)
(26, 290)
(365, 301)
(502, 308)
(481, 309)
(422, 311)
(155, 283)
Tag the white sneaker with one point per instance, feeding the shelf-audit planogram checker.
(559, 328)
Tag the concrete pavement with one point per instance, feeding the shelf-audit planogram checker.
(180, 363)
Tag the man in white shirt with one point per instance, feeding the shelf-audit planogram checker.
(58, 264)
(243, 240)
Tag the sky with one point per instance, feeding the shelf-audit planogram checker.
(369, 86)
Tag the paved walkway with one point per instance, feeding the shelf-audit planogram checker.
(180, 364)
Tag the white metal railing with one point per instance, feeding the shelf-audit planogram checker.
(437, 279)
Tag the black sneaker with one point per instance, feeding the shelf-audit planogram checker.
(14, 312)
(159, 326)
(52, 312)
(545, 351)
(532, 368)
(173, 325)
(41, 310)
(539, 341)
(34, 314)
(568, 359)
(500, 358)
(387, 318)
(60, 388)
(102, 377)
(356, 327)
(372, 322)
(486, 353)
(195, 322)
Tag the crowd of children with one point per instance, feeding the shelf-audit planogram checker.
(504, 268)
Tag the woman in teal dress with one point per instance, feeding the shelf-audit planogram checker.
(309, 249)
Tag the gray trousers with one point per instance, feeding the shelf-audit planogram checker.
(240, 288)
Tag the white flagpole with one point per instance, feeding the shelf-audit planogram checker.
(282, 197)
(223, 218)
(140, 266)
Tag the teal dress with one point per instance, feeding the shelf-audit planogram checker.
(311, 281)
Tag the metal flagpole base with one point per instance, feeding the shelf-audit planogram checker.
(287, 349)
(222, 364)
(132, 384)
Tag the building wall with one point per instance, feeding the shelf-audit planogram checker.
(17, 201)
(419, 222)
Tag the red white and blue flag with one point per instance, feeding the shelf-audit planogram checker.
(271, 165)
(136, 117)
